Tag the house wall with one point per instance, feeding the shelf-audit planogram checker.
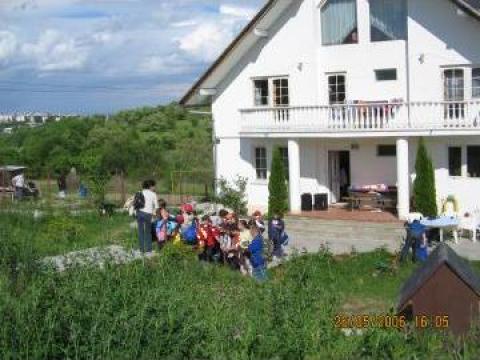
(366, 167)
(438, 37)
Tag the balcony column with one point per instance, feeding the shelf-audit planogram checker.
(294, 175)
(403, 179)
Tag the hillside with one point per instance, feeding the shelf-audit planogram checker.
(141, 142)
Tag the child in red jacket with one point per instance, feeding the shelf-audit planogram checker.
(208, 236)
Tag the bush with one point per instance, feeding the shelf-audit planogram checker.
(277, 187)
(424, 192)
(233, 195)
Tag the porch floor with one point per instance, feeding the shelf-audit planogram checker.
(339, 213)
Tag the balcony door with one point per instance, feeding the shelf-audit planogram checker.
(454, 93)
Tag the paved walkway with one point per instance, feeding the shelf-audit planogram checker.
(341, 236)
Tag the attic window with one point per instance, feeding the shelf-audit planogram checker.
(388, 20)
(339, 22)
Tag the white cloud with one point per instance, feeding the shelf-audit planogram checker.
(210, 36)
(237, 11)
(56, 52)
(165, 64)
(8, 46)
(205, 41)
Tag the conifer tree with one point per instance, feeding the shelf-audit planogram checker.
(425, 195)
(277, 186)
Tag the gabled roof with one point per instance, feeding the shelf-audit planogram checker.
(443, 254)
(471, 7)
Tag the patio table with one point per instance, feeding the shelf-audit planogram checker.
(443, 223)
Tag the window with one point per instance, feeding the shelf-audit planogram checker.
(280, 92)
(388, 20)
(386, 74)
(476, 83)
(284, 154)
(261, 92)
(339, 22)
(261, 162)
(454, 93)
(336, 89)
(473, 161)
(455, 161)
(386, 150)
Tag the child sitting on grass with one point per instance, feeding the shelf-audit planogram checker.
(207, 237)
(277, 234)
(244, 241)
(165, 227)
(255, 250)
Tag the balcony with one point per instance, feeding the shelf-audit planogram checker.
(415, 117)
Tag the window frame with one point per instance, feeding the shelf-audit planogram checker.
(254, 81)
(385, 72)
(337, 75)
(468, 147)
(371, 25)
(451, 147)
(389, 153)
(256, 159)
(477, 78)
(271, 90)
(323, 4)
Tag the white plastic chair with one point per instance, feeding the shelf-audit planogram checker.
(471, 224)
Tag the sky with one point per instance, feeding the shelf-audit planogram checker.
(101, 56)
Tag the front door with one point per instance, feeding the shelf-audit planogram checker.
(338, 175)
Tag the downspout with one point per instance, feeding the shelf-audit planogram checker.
(407, 63)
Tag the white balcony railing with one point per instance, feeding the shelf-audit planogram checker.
(364, 117)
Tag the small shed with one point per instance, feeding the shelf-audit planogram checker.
(445, 285)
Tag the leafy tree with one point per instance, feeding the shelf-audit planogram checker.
(424, 191)
(277, 187)
(96, 175)
(233, 195)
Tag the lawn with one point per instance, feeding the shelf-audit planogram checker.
(173, 306)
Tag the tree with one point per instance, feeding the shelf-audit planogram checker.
(277, 187)
(233, 195)
(424, 191)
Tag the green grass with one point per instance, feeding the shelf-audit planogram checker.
(175, 307)
(63, 232)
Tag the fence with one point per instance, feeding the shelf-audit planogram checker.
(180, 187)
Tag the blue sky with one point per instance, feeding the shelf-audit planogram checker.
(88, 56)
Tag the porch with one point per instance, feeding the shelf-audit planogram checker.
(335, 167)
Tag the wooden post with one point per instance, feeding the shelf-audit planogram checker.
(49, 187)
(123, 189)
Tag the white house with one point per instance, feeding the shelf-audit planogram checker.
(346, 88)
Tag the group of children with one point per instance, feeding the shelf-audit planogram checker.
(223, 237)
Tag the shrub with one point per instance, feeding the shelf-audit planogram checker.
(233, 195)
(277, 187)
(424, 192)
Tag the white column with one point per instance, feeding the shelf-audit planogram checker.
(294, 175)
(403, 179)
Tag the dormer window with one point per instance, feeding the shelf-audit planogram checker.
(388, 20)
(339, 22)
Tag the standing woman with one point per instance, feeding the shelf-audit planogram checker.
(145, 213)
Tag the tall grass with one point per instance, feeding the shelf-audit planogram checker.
(175, 307)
